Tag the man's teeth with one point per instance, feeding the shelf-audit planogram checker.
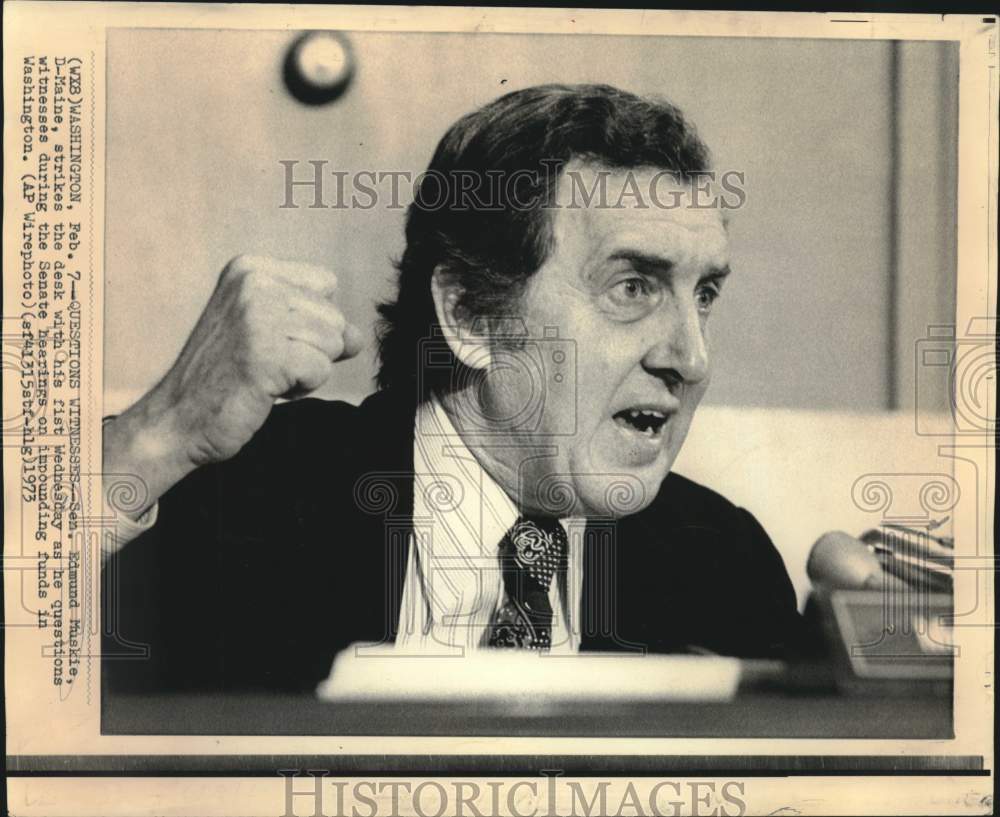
(647, 422)
(634, 413)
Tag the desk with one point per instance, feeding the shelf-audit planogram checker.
(751, 715)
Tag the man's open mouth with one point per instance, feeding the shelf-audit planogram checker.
(648, 422)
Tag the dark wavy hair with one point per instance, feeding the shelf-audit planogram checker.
(479, 214)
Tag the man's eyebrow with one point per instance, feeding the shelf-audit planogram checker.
(717, 273)
(642, 260)
(661, 264)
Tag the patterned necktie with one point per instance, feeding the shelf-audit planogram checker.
(531, 553)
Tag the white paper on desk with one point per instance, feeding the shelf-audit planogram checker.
(496, 674)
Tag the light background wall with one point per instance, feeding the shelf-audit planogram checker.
(844, 252)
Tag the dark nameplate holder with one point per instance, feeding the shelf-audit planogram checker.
(887, 641)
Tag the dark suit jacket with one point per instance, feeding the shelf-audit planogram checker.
(261, 568)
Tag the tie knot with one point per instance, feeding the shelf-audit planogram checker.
(538, 545)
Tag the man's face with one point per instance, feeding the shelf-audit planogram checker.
(629, 290)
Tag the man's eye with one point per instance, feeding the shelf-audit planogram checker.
(633, 288)
(633, 297)
(632, 291)
(706, 297)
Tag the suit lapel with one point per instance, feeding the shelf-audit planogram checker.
(615, 557)
(382, 497)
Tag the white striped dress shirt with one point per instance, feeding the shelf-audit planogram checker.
(453, 581)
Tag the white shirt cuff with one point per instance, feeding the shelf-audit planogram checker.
(128, 529)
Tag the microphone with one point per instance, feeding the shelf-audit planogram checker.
(840, 561)
(877, 562)
(866, 612)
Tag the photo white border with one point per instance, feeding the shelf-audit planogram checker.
(79, 28)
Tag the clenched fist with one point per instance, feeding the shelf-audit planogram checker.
(271, 329)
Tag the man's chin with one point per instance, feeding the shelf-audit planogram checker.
(625, 481)
(606, 494)
(601, 481)
(618, 494)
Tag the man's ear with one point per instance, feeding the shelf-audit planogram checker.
(470, 347)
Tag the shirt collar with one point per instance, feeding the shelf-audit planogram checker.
(451, 485)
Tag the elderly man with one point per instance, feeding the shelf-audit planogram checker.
(509, 483)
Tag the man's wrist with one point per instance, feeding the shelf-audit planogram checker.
(142, 445)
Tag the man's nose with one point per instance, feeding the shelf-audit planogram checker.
(679, 353)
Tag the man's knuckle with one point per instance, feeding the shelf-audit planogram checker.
(318, 279)
(319, 368)
(248, 309)
(337, 320)
(257, 292)
(240, 265)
